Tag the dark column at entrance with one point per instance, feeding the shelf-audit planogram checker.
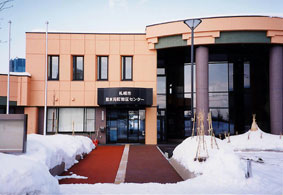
(276, 89)
(202, 81)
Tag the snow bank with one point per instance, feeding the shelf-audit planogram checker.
(52, 150)
(29, 173)
(257, 140)
(222, 163)
(24, 176)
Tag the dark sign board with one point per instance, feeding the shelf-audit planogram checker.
(125, 96)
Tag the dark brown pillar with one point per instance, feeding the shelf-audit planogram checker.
(276, 89)
(202, 82)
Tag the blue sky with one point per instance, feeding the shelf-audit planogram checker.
(112, 16)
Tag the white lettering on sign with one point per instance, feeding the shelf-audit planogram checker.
(125, 93)
(123, 99)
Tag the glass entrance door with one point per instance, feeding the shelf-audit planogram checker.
(125, 126)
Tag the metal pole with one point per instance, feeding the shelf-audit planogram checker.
(46, 74)
(192, 73)
(8, 82)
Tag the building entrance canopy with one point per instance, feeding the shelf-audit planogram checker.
(125, 96)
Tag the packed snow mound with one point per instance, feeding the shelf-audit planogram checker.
(29, 173)
(52, 150)
(256, 140)
(24, 176)
(222, 163)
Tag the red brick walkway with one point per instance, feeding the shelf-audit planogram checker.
(100, 166)
(146, 164)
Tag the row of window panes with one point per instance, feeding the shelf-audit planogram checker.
(78, 68)
(69, 119)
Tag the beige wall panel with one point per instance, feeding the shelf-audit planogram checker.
(90, 86)
(53, 98)
(77, 36)
(114, 37)
(102, 37)
(89, 68)
(127, 47)
(127, 37)
(89, 37)
(65, 85)
(35, 36)
(3, 91)
(114, 47)
(127, 84)
(141, 47)
(32, 124)
(35, 66)
(65, 68)
(114, 84)
(144, 68)
(65, 46)
(90, 46)
(77, 46)
(77, 98)
(89, 98)
(65, 98)
(37, 85)
(102, 47)
(65, 36)
(53, 85)
(151, 125)
(114, 73)
(140, 37)
(36, 98)
(35, 46)
(53, 36)
(53, 47)
(77, 85)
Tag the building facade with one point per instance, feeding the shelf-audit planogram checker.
(136, 88)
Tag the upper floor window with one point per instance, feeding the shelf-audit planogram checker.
(53, 67)
(102, 67)
(78, 68)
(127, 68)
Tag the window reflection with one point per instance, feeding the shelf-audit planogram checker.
(218, 76)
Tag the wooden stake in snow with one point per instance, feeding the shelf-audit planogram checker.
(202, 152)
(229, 138)
(254, 125)
(194, 121)
(73, 128)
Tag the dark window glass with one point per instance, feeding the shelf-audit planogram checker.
(102, 68)
(161, 101)
(78, 68)
(220, 120)
(127, 65)
(53, 67)
(161, 85)
(218, 77)
(231, 76)
(247, 83)
(187, 78)
(218, 100)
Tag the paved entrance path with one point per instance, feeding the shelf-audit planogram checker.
(100, 166)
(140, 164)
(147, 164)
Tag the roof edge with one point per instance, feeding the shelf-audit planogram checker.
(212, 17)
(87, 33)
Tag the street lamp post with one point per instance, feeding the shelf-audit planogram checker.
(9, 68)
(46, 75)
(192, 24)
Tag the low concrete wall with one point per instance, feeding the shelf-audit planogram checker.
(181, 170)
(13, 133)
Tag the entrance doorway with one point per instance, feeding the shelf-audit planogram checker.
(125, 125)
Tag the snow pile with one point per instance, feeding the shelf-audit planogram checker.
(257, 140)
(29, 173)
(222, 163)
(52, 150)
(23, 176)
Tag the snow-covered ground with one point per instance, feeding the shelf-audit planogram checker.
(223, 172)
(29, 173)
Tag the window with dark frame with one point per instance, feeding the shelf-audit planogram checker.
(102, 68)
(78, 68)
(127, 68)
(53, 67)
